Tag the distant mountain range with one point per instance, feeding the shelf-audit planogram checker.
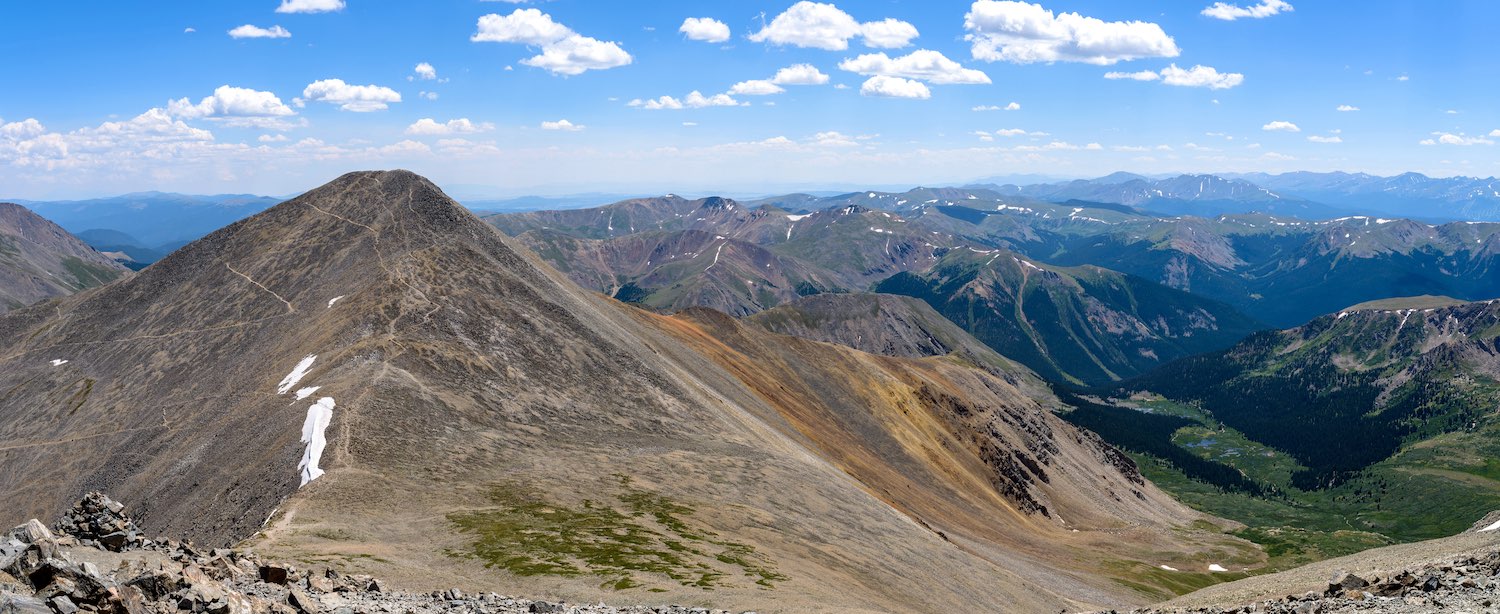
(370, 368)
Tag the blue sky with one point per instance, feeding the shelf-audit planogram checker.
(110, 97)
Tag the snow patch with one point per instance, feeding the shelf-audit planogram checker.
(303, 393)
(1491, 527)
(1169, 568)
(296, 375)
(58, 362)
(334, 300)
(313, 429)
(1216, 567)
(796, 218)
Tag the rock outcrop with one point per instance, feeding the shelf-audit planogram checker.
(81, 569)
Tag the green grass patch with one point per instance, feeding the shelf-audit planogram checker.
(638, 539)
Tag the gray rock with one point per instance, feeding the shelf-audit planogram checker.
(20, 604)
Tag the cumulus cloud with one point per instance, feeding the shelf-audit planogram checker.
(756, 87)
(694, 100)
(430, 127)
(1200, 76)
(1448, 138)
(887, 33)
(922, 64)
(310, 6)
(1346, 108)
(1325, 139)
(1495, 132)
(1011, 132)
(250, 31)
(152, 135)
(563, 51)
(272, 138)
(799, 74)
(1014, 106)
(1023, 33)
(562, 124)
(236, 106)
(21, 130)
(1281, 126)
(825, 26)
(357, 98)
(706, 29)
(425, 71)
(1231, 12)
(894, 87)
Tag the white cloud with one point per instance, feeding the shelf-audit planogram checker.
(1094, 147)
(562, 124)
(524, 26)
(1024, 33)
(310, 6)
(357, 98)
(1495, 132)
(1197, 76)
(576, 54)
(563, 51)
(430, 127)
(148, 137)
(425, 71)
(984, 136)
(894, 87)
(1447, 138)
(236, 106)
(922, 64)
(833, 139)
(1281, 126)
(706, 29)
(800, 74)
(427, 95)
(1231, 12)
(1014, 106)
(694, 100)
(272, 138)
(1200, 76)
(1053, 146)
(1403, 78)
(1346, 108)
(189, 30)
(888, 33)
(756, 87)
(1143, 75)
(825, 26)
(1010, 132)
(22, 130)
(250, 31)
(1325, 139)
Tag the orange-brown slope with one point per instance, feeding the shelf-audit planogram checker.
(963, 453)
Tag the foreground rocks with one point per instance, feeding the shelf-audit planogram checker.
(42, 572)
(1469, 584)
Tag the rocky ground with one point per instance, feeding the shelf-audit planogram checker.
(1468, 584)
(94, 560)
